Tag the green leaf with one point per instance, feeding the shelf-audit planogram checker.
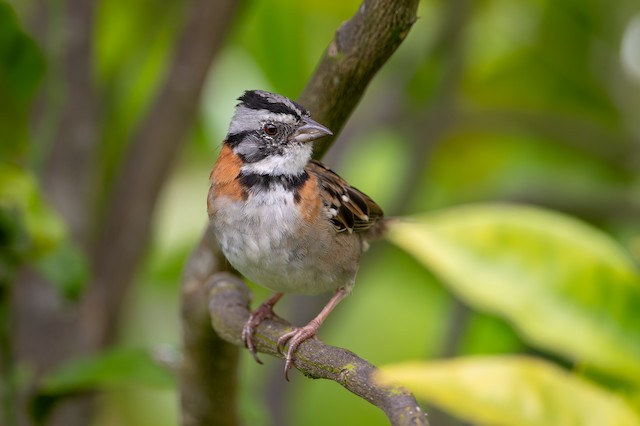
(67, 268)
(21, 69)
(30, 229)
(564, 285)
(512, 391)
(115, 368)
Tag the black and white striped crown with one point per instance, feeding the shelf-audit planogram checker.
(272, 102)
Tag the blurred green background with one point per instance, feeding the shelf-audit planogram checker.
(527, 101)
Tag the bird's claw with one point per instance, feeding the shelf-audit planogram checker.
(294, 338)
(264, 311)
(247, 339)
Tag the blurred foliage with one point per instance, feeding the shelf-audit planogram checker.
(566, 287)
(21, 68)
(513, 391)
(113, 369)
(28, 227)
(132, 51)
(495, 100)
(30, 231)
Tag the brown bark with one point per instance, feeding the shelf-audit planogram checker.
(208, 371)
(359, 49)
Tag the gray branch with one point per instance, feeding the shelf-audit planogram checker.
(359, 49)
(208, 371)
(229, 302)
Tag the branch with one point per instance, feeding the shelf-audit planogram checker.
(360, 47)
(151, 155)
(208, 371)
(228, 306)
(69, 168)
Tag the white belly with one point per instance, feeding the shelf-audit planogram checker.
(266, 240)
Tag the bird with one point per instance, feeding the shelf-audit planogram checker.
(282, 219)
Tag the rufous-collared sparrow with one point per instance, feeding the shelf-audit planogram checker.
(283, 220)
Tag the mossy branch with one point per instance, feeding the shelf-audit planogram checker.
(229, 310)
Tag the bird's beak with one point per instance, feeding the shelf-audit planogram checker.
(310, 130)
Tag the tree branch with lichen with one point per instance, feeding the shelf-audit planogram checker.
(229, 300)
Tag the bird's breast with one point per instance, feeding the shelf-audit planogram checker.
(270, 241)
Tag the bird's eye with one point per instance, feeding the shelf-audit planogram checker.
(270, 129)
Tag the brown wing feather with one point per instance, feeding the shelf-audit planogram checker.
(348, 208)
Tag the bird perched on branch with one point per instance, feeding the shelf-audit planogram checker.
(283, 220)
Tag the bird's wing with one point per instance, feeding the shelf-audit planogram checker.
(348, 208)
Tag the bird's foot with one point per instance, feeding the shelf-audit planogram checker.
(264, 311)
(295, 338)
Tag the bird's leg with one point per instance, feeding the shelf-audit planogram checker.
(264, 311)
(299, 335)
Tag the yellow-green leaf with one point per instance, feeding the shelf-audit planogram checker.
(512, 391)
(564, 285)
(20, 199)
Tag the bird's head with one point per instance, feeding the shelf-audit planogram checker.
(271, 133)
